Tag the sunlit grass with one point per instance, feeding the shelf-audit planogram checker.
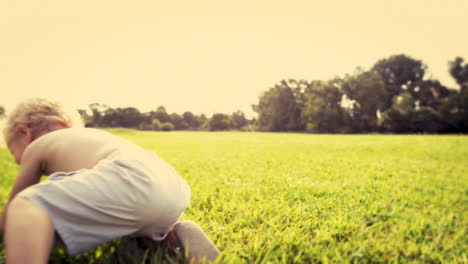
(298, 198)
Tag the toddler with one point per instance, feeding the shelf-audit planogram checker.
(99, 187)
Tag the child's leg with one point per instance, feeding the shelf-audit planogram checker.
(190, 234)
(29, 233)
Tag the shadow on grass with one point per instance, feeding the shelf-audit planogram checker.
(128, 250)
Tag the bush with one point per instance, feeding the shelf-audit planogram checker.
(167, 126)
(145, 126)
(156, 125)
(311, 128)
(249, 128)
(219, 122)
(396, 122)
(426, 120)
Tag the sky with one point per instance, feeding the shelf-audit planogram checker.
(209, 56)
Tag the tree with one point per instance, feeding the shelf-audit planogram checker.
(178, 122)
(459, 71)
(189, 119)
(404, 103)
(130, 117)
(87, 119)
(454, 107)
(145, 126)
(219, 122)
(367, 90)
(97, 111)
(298, 87)
(109, 118)
(405, 117)
(398, 72)
(426, 120)
(161, 114)
(238, 120)
(203, 122)
(454, 111)
(122, 117)
(2, 112)
(429, 93)
(394, 121)
(323, 112)
(278, 109)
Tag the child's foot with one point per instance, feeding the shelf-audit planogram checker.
(187, 234)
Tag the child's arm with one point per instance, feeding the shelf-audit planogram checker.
(30, 173)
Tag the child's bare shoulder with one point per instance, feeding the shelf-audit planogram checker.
(75, 148)
(70, 137)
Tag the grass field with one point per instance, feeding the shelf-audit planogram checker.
(301, 198)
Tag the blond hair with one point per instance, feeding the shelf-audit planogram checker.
(37, 114)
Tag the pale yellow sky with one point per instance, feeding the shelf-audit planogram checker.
(210, 56)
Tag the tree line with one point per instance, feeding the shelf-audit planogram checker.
(160, 120)
(394, 96)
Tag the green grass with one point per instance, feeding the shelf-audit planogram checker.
(300, 198)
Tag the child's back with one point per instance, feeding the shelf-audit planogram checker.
(72, 149)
